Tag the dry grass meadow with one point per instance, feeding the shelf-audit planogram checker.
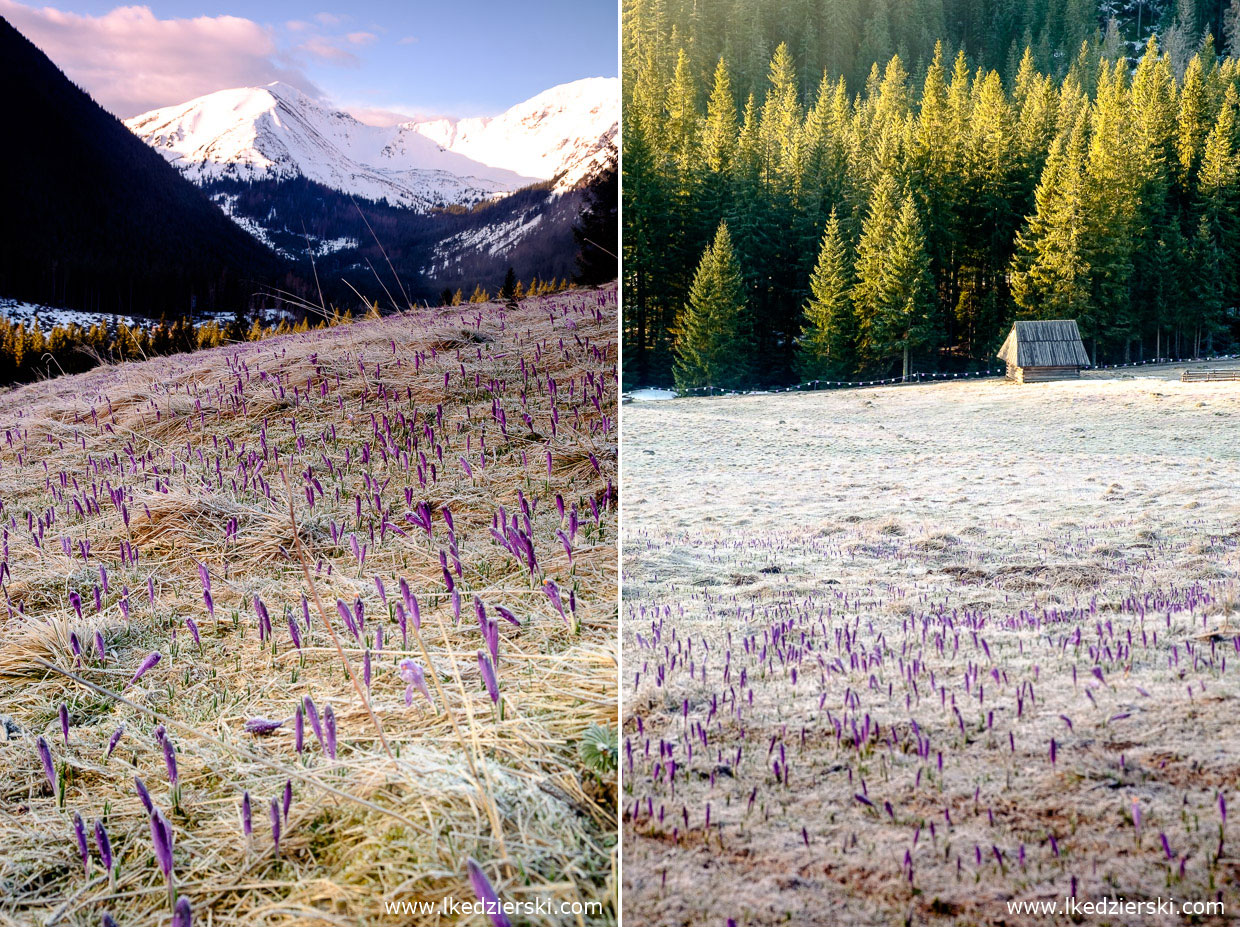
(469, 452)
(906, 655)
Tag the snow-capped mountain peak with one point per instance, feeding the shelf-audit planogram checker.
(568, 132)
(278, 132)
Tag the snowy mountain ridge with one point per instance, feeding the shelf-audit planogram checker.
(277, 132)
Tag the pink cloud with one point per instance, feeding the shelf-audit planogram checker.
(326, 49)
(361, 38)
(131, 61)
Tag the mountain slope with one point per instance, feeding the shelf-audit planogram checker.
(96, 220)
(277, 132)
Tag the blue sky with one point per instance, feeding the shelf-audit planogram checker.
(458, 58)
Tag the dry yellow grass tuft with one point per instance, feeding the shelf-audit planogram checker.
(471, 453)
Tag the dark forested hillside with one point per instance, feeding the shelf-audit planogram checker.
(358, 243)
(899, 179)
(91, 218)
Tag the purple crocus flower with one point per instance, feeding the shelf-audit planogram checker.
(109, 920)
(381, 590)
(329, 731)
(264, 620)
(193, 630)
(486, 894)
(488, 676)
(294, 633)
(508, 616)
(150, 588)
(182, 915)
(104, 845)
(205, 576)
(79, 831)
(145, 666)
(347, 616)
(299, 729)
(288, 797)
(490, 630)
(275, 824)
(247, 819)
(114, 740)
(144, 795)
(100, 646)
(210, 603)
(170, 760)
(553, 593)
(313, 714)
(366, 669)
(261, 727)
(402, 621)
(49, 768)
(64, 723)
(76, 601)
(413, 676)
(161, 839)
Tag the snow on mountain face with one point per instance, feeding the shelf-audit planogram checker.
(567, 131)
(277, 132)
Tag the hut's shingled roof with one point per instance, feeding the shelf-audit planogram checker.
(1050, 343)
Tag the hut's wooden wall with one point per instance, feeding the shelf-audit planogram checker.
(1042, 374)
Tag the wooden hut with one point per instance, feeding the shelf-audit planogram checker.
(1044, 350)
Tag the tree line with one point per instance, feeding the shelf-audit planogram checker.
(28, 353)
(788, 231)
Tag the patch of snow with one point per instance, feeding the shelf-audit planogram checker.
(48, 317)
(496, 239)
(650, 395)
(228, 203)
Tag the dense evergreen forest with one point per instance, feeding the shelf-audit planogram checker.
(833, 188)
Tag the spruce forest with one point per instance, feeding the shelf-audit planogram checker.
(818, 189)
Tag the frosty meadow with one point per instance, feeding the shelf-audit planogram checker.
(932, 654)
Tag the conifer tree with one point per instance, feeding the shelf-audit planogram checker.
(719, 132)
(826, 341)
(1050, 276)
(712, 343)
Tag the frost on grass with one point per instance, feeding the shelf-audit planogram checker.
(906, 655)
(446, 468)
